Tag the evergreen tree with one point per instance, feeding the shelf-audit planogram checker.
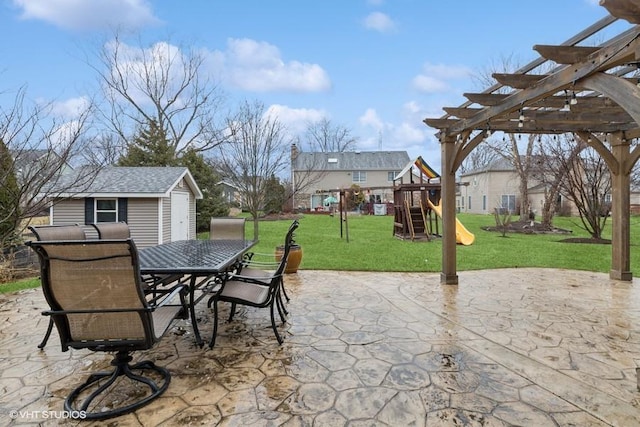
(212, 204)
(9, 198)
(274, 197)
(150, 148)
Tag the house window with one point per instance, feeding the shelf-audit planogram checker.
(106, 210)
(391, 175)
(469, 203)
(484, 203)
(359, 176)
(509, 202)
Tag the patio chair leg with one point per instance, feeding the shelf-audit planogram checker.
(46, 335)
(232, 311)
(273, 324)
(281, 310)
(215, 325)
(284, 291)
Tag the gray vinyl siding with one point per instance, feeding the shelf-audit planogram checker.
(68, 212)
(142, 217)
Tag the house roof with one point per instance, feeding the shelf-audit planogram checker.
(142, 181)
(498, 165)
(351, 160)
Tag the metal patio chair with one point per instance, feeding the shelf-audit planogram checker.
(56, 232)
(226, 228)
(253, 291)
(96, 301)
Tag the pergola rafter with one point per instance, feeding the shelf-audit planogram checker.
(590, 91)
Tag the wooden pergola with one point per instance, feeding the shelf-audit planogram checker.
(591, 91)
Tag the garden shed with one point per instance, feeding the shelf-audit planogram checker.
(585, 87)
(158, 203)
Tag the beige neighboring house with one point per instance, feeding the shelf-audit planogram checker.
(317, 173)
(497, 186)
(158, 203)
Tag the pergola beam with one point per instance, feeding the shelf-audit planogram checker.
(614, 54)
(625, 9)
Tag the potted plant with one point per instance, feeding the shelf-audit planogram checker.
(294, 259)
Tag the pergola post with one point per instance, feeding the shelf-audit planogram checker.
(448, 276)
(620, 208)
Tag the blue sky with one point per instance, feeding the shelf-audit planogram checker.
(378, 67)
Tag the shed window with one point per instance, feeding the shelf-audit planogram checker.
(359, 176)
(106, 210)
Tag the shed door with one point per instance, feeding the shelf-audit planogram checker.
(179, 216)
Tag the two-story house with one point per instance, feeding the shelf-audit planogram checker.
(316, 174)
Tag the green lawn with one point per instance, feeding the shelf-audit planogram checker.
(372, 247)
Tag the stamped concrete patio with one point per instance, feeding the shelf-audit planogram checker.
(530, 347)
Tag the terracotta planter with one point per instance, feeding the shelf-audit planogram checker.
(295, 256)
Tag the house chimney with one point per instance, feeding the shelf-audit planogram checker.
(294, 152)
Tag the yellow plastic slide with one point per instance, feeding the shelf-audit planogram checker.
(463, 236)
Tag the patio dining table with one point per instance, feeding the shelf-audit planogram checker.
(199, 260)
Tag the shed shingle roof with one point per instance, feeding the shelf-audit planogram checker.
(142, 180)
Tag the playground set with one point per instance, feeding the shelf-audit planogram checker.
(416, 206)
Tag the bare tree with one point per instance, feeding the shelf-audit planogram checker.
(587, 183)
(481, 156)
(163, 84)
(520, 154)
(553, 154)
(320, 137)
(257, 151)
(323, 136)
(42, 147)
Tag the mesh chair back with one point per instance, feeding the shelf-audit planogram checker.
(227, 229)
(58, 232)
(101, 278)
(112, 230)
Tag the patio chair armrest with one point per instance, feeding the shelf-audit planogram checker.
(97, 311)
(259, 280)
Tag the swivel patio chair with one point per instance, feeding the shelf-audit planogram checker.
(253, 291)
(96, 301)
(121, 230)
(56, 232)
(112, 230)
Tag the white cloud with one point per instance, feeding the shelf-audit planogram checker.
(258, 66)
(89, 14)
(371, 119)
(435, 77)
(295, 119)
(71, 108)
(378, 21)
